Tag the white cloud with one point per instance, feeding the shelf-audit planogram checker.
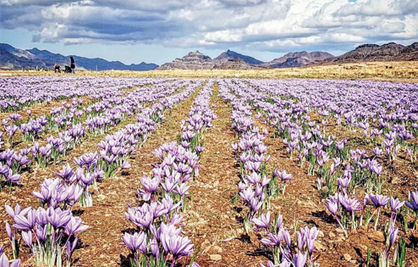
(259, 24)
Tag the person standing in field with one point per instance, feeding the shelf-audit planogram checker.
(72, 64)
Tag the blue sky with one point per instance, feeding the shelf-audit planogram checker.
(160, 30)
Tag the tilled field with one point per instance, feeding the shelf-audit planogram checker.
(210, 172)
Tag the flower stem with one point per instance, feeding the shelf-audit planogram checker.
(377, 218)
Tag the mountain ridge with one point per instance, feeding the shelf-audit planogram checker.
(15, 58)
(193, 60)
(229, 54)
(373, 52)
(297, 59)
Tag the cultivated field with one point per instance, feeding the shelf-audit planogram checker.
(401, 71)
(214, 169)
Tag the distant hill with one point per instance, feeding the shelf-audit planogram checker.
(234, 55)
(373, 52)
(191, 61)
(232, 64)
(297, 59)
(197, 60)
(14, 58)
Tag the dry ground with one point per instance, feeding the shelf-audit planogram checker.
(212, 220)
(400, 71)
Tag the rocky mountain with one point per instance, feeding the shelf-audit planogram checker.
(11, 58)
(191, 61)
(197, 60)
(373, 52)
(14, 58)
(232, 64)
(297, 59)
(234, 55)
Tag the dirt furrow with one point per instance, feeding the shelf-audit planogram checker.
(102, 245)
(212, 221)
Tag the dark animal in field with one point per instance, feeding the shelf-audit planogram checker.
(68, 69)
(57, 68)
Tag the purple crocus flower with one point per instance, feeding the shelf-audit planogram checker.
(9, 231)
(15, 116)
(155, 249)
(41, 232)
(4, 169)
(255, 204)
(340, 145)
(137, 241)
(126, 165)
(254, 178)
(16, 211)
(11, 130)
(379, 200)
(4, 261)
(286, 237)
(23, 223)
(284, 176)
(247, 194)
(395, 204)
(27, 238)
(67, 173)
(70, 247)
(377, 151)
(57, 217)
(74, 226)
(285, 263)
(344, 182)
(87, 179)
(413, 201)
(332, 205)
(350, 204)
(393, 235)
(182, 189)
(272, 239)
(299, 259)
(178, 246)
(141, 216)
(263, 221)
(311, 237)
(151, 185)
(13, 178)
(279, 222)
(168, 204)
(276, 172)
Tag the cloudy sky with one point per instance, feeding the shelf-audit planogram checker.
(160, 30)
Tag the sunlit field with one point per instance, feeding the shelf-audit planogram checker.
(406, 71)
(210, 167)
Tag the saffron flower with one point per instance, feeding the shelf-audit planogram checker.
(263, 221)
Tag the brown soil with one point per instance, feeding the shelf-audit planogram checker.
(212, 221)
(211, 217)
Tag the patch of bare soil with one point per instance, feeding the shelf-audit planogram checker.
(212, 221)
